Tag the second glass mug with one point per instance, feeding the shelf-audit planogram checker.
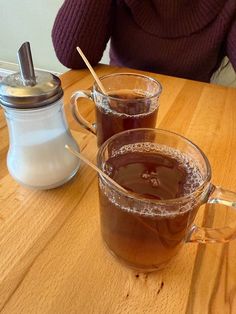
(131, 102)
(141, 230)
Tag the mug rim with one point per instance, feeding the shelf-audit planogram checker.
(142, 198)
(149, 78)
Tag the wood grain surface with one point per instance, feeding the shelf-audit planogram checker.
(52, 259)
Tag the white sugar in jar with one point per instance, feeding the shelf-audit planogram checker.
(38, 132)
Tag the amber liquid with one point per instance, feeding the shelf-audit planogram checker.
(124, 115)
(146, 240)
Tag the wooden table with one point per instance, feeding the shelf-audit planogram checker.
(52, 259)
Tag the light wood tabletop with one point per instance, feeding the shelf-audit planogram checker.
(52, 258)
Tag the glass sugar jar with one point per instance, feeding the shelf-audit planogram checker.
(38, 131)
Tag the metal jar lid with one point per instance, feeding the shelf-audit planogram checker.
(13, 92)
(29, 89)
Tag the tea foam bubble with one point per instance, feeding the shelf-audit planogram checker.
(148, 207)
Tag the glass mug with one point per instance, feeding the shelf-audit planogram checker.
(131, 102)
(167, 178)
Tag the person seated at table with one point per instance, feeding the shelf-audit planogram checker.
(181, 38)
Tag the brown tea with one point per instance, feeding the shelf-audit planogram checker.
(147, 236)
(127, 110)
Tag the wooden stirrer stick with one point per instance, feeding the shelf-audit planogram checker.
(91, 70)
(84, 159)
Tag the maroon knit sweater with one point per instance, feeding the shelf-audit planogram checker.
(185, 38)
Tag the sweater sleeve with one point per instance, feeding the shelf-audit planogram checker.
(231, 45)
(83, 23)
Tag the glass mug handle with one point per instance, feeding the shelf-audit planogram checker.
(210, 235)
(75, 111)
